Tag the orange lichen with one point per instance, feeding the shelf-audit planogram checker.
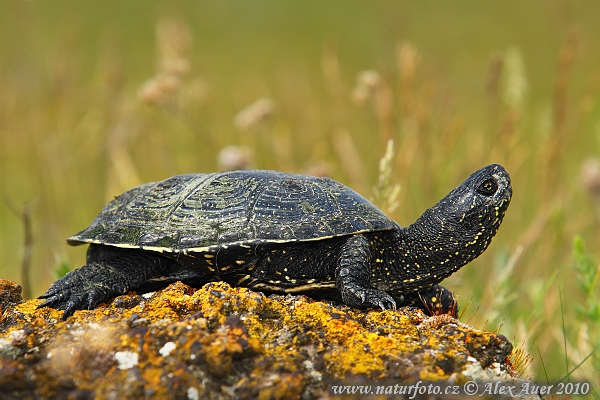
(186, 342)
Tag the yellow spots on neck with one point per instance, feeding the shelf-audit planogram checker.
(475, 239)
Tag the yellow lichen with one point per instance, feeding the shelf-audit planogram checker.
(265, 346)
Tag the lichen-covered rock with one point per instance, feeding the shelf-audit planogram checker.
(10, 295)
(220, 342)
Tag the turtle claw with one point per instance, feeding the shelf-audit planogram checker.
(78, 290)
(54, 298)
(48, 302)
(70, 302)
(64, 300)
(380, 299)
(70, 309)
(368, 298)
(91, 301)
(53, 291)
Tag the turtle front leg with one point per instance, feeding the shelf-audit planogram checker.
(108, 272)
(352, 277)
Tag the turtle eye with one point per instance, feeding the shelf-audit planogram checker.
(487, 187)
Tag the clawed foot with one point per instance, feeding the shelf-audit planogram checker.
(78, 290)
(70, 302)
(368, 298)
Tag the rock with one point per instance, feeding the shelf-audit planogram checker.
(220, 342)
(10, 293)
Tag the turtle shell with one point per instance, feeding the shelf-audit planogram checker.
(201, 212)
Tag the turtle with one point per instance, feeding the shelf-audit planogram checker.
(279, 232)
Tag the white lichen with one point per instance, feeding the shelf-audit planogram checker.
(7, 349)
(18, 335)
(167, 349)
(315, 376)
(126, 359)
(474, 370)
(192, 393)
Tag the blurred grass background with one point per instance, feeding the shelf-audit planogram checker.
(98, 97)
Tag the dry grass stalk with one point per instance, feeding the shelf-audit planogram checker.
(407, 59)
(122, 174)
(351, 160)
(515, 90)
(566, 60)
(384, 110)
(499, 289)
(386, 192)
(174, 39)
(332, 73)
(330, 65)
(492, 85)
(24, 214)
(560, 137)
(516, 85)
(251, 117)
(371, 87)
(366, 84)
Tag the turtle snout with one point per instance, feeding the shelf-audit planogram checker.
(502, 178)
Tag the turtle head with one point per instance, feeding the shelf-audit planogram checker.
(475, 209)
(461, 225)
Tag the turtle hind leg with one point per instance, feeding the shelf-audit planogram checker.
(436, 300)
(109, 272)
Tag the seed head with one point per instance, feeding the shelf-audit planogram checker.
(158, 89)
(590, 176)
(250, 117)
(234, 158)
(366, 83)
